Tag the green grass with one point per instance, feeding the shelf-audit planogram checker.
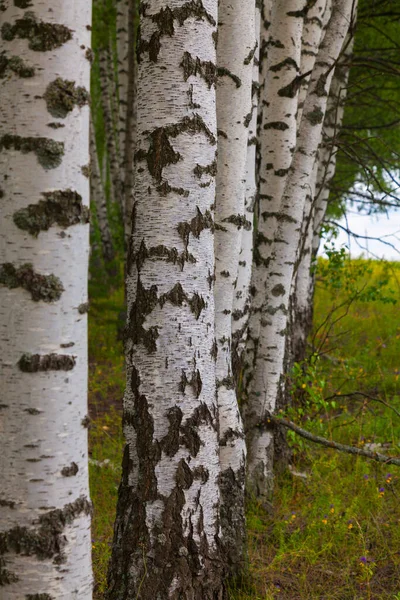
(331, 535)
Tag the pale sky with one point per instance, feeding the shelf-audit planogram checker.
(385, 228)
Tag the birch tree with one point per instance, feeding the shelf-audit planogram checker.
(45, 546)
(269, 363)
(235, 51)
(167, 526)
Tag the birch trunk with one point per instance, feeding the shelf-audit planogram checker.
(268, 372)
(325, 170)
(235, 50)
(98, 198)
(280, 63)
(166, 534)
(242, 297)
(113, 161)
(45, 545)
(122, 62)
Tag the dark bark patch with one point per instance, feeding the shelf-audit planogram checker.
(288, 62)
(46, 539)
(163, 253)
(226, 382)
(290, 90)
(55, 125)
(238, 220)
(278, 290)
(214, 350)
(232, 514)
(194, 8)
(33, 363)
(146, 301)
(210, 169)
(39, 597)
(15, 64)
(61, 96)
(170, 443)
(195, 226)
(33, 411)
(164, 189)
(250, 55)
(194, 382)
(47, 288)
(48, 152)
(7, 503)
(85, 421)
(3, 406)
(223, 72)
(320, 88)
(316, 116)
(70, 470)
(6, 576)
(42, 36)
(201, 473)
(23, 3)
(280, 217)
(183, 476)
(189, 430)
(61, 207)
(160, 154)
(247, 119)
(278, 125)
(196, 67)
(83, 308)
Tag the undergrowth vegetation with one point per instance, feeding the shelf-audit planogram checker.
(332, 531)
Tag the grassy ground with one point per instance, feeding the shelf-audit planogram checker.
(334, 530)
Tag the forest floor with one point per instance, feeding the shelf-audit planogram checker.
(333, 532)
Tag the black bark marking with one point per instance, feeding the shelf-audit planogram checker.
(161, 153)
(231, 485)
(196, 226)
(278, 125)
(210, 169)
(316, 116)
(194, 382)
(46, 540)
(201, 473)
(6, 577)
(287, 62)
(164, 189)
(238, 220)
(280, 217)
(83, 308)
(8, 503)
(162, 253)
(85, 421)
(226, 382)
(70, 470)
(61, 96)
(33, 363)
(33, 411)
(15, 64)
(278, 290)
(250, 55)
(61, 207)
(320, 88)
(223, 72)
(290, 90)
(194, 66)
(177, 296)
(48, 152)
(47, 288)
(55, 125)
(39, 597)
(189, 430)
(165, 24)
(42, 36)
(214, 350)
(170, 443)
(23, 3)
(183, 476)
(146, 301)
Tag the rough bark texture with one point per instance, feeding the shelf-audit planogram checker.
(270, 359)
(45, 545)
(235, 48)
(166, 537)
(98, 198)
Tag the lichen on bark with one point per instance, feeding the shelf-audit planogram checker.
(15, 64)
(42, 36)
(48, 152)
(61, 96)
(33, 363)
(60, 207)
(47, 288)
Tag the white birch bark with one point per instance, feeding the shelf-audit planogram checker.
(45, 545)
(98, 198)
(235, 50)
(113, 160)
(280, 64)
(122, 62)
(167, 527)
(242, 298)
(271, 350)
